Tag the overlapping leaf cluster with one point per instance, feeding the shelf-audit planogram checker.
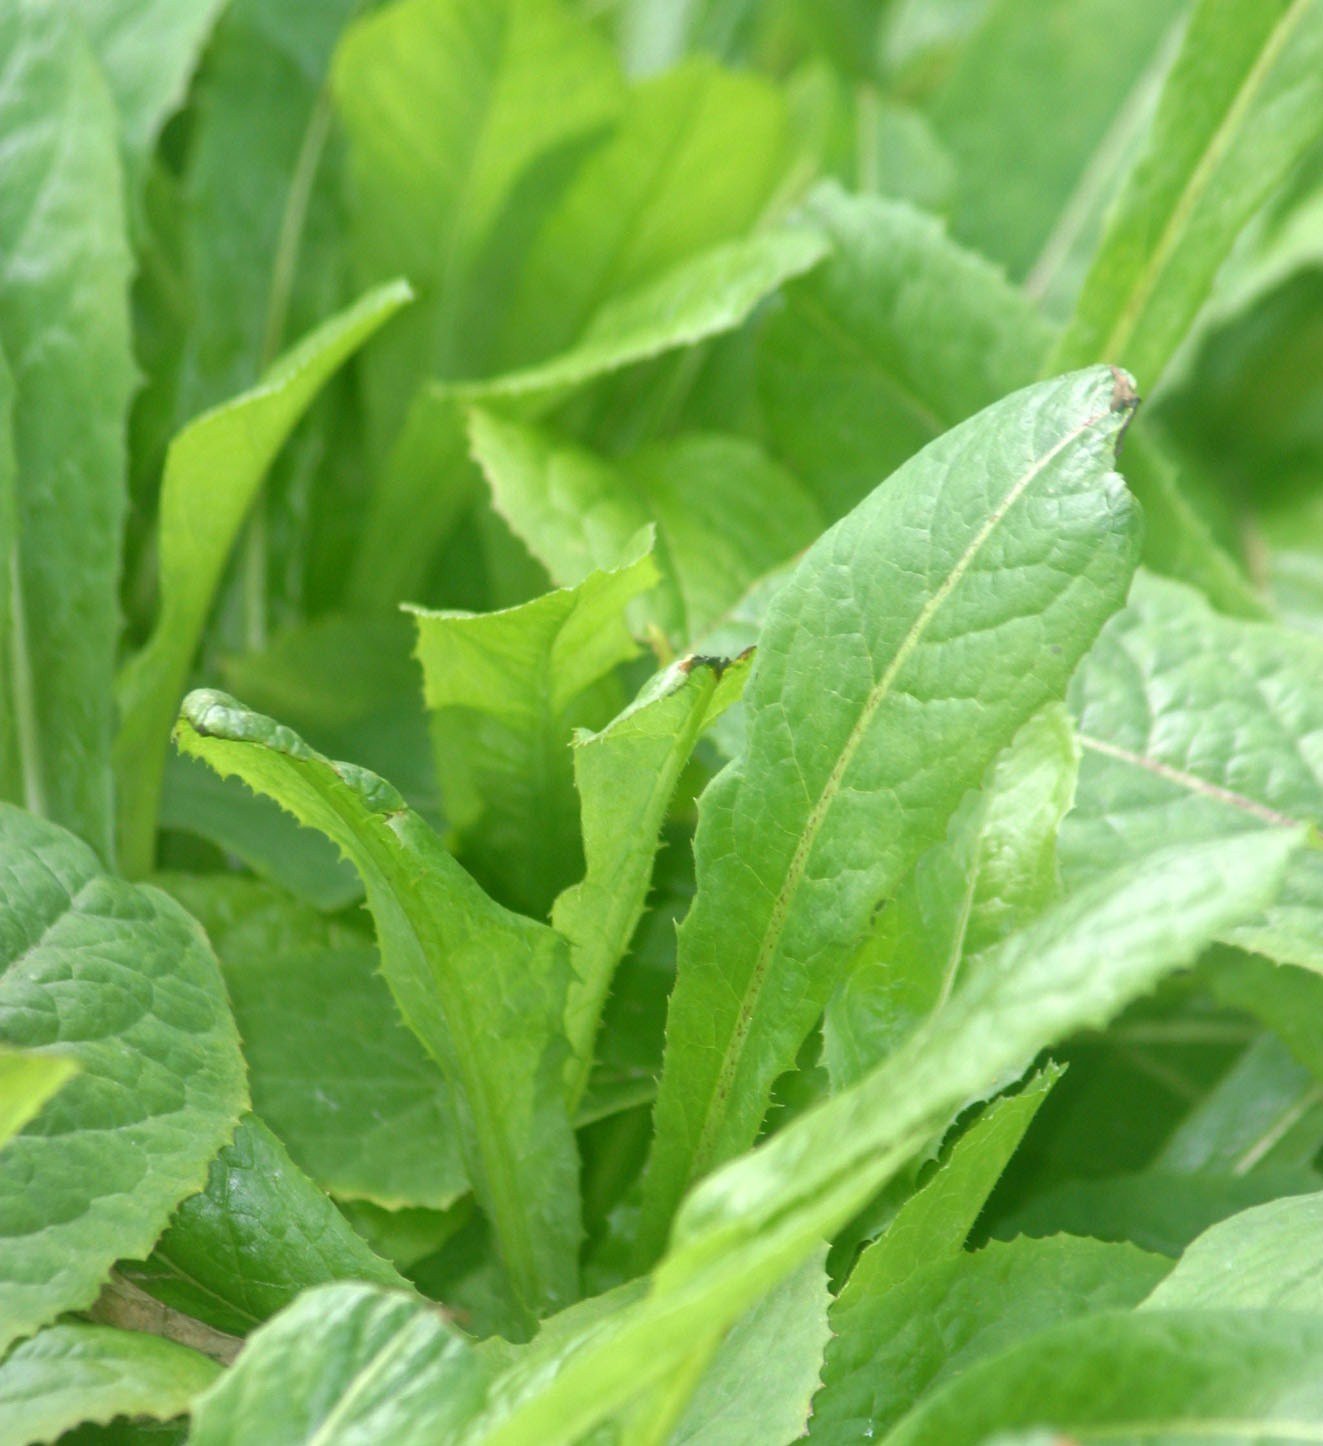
(818, 926)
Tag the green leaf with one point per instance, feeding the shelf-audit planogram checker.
(74, 1373)
(900, 335)
(995, 870)
(1192, 724)
(259, 1234)
(212, 474)
(1267, 1256)
(27, 1081)
(1038, 119)
(351, 1093)
(1240, 107)
(625, 776)
(1160, 1376)
(120, 980)
(448, 105)
(505, 691)
(936, 1220)
(754, 1221)
(346, 1363)
(658, 192)
(724, 513)
(891, 1349)
(482, 988)
(148, 50)
(761, 1381)
(905, 651)
(12, 729)
(64, 327)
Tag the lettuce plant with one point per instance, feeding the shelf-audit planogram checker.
(661, 722)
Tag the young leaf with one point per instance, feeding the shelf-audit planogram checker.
(1267, 1256)
(752, 1222)
(64, 326)
(725, 514)
(905, 651)
(1165, 1375)
(995, 871)
(936, 1220)
(891, 1349)
(505, 691)
(656, 193)
(899, 336)
(448, 104)
(1240, 107)
(259, 1234)
(625, 775)
(402, 1372)
(27, 1081)
(1193, 723)
(481, 987)
(71, 1374)
(120, 980)
(212, 473)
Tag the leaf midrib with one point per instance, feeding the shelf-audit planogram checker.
(716, 1108)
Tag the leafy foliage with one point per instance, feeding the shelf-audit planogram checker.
(818, 932)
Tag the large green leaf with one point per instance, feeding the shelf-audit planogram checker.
(482, 988)
(64, 327)
(890, 1349)
(992, 873)
(1240, 107)
(259, 1234)
(212, 474)
(905, 651)
(901, 335)
(448, 104)
(625, 775)
(74, 1373)
(148, 50)
(346, 1364)
(724, 513)
(121, 980)
(505, 691)
(755, 1220)
(1191, 724)
(1160, 1376)
(349, 1091)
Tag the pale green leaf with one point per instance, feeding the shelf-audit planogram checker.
(259, 1234)
(64, 327)
(122, 981)
(482, 988)
(11, 730)
(724, 513)
(27, 1081)
(995, 870)
(1267, 1256)
(346, 1364)
(625, 776)
(1239, 108)
(1164, 1376)
(891, 1349)
(212, 474)
(908, 648)
(70, 1374)
(899, 336)
(350, 1092)
(504, 692)
(754, 1221)
(1194, 724)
